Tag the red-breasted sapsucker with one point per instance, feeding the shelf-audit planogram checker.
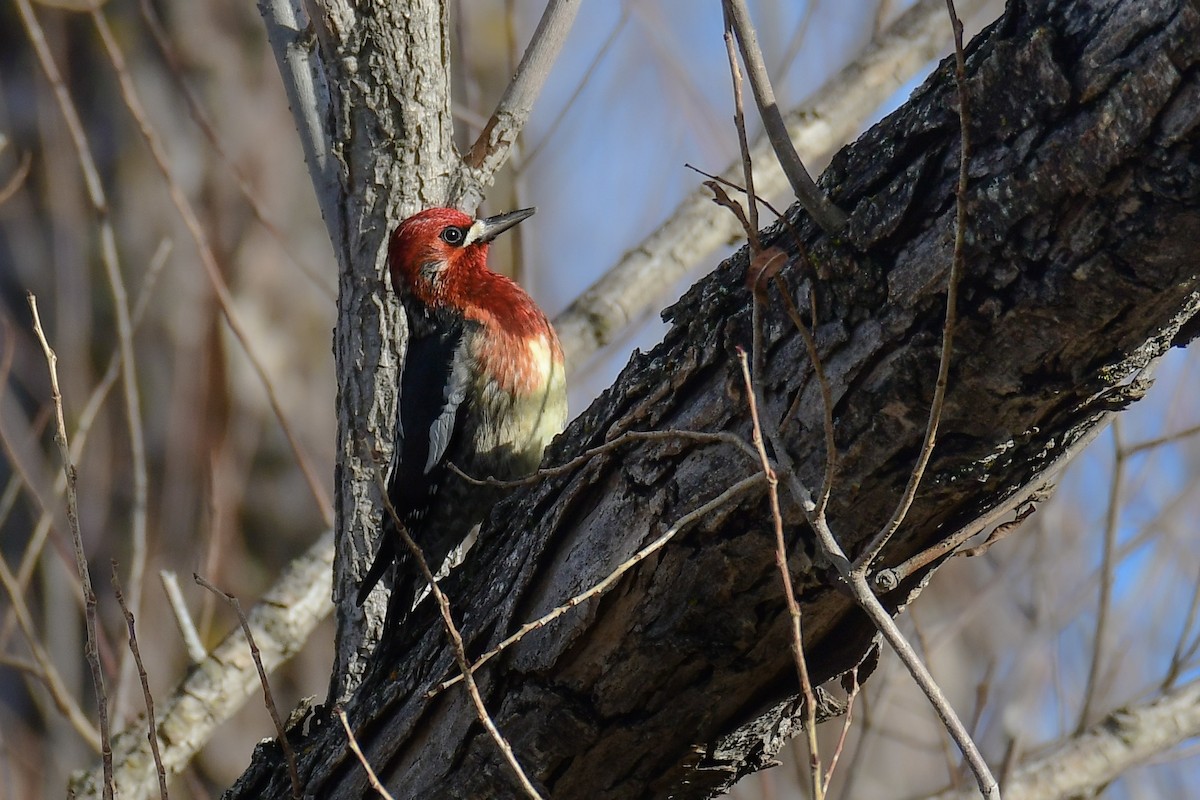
(482, 388)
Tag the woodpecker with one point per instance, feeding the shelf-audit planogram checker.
(482, 387)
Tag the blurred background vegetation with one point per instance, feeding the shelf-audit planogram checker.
(641, 89)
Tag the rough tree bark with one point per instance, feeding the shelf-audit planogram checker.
(1081, 270)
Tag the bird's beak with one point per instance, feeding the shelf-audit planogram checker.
(489, 228)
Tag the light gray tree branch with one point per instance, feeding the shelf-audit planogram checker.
(1083, 764)
(217, 687)
(495, 141)
(293, 39)
(831, 218)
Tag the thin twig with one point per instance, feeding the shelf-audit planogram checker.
(456, 642)
(85, 577)
(1159, 441)
(639, 281)
(183, 620)
(628, 437)
(512, 112)
(137, 443)
(1107, 576)
(831, 218)
(810, 344)
(849, 718)
(817, 785)
(268, 699)
(888, 579)
(1182, 652)
(352, 743)
(215, 690)
(867, 558)
(17, 179)
(207, 258)
(793, 312)
(64, 701)
(739, 124)
(860, 588)
(209, 130)
(109, 257)
(684, 522)
(947, 746)
(547, 136)
(152, 733)
(83, 425)
(998, 533)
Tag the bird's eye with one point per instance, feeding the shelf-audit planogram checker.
(453, 236)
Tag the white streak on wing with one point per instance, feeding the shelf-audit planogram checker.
(443, 427)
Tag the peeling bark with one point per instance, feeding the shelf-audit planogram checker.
(1081, 271)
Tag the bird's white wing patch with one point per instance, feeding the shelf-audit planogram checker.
(443, 426)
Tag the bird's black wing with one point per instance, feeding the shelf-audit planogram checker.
(433, 386)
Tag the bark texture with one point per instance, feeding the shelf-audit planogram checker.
(1081, 270)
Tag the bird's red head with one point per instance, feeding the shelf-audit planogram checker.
(439, 256)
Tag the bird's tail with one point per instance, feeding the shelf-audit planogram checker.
(384, 557)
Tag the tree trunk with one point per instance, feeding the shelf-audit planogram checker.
(1084, 222)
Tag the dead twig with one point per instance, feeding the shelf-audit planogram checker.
(851, 695)
(868, 556)
(681, 524)
(456, 642)
(85, 577)
(207, 258)
(817, 785)
(152, 733)
(628, 437)
(268, 699)
(352, 743)
(204, 122)
(888, 579)
(1107, 576)
(183, 620)
(831, 218)
(45, 670)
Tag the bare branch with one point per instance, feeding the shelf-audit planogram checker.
(492, 147)
(831, 218)
(352, 743)
(1107, 577)
(85, 578)
(112, 269)
(294, 43)
(320, 279)
(44, 668)
(152, 735)
(867, 557)
(1088, 761)
(816, 782)
(211, 692)
(208, 259)
(268, 697)
(638, 283)
(183, 620)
